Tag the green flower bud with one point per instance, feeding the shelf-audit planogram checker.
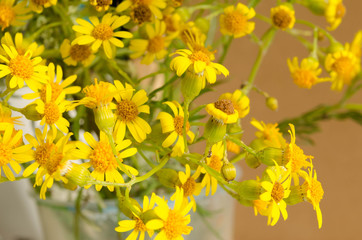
(203, 24)
(77, 175)
(272, 103)
(228, 171)
(104, 118)
(191, 85)
(249, 189)
(31, 113)
(252, 161)
(316, 6)
(168, 177)
(268, 155)
(214, 131)
(149, 215)
(296, 195)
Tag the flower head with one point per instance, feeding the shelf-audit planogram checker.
(74, 54)
(305, 75)
(282, 16)
(22, 68)
(6, 120)
(234, 21)
(101, 5)
(269, 133)
(38, 5)
(223, 110)
(102, 159)
(13, 15)
(96, 95)
(334, 13)
(174, 126)
(128, 108)
(239, 100)
(102, 33)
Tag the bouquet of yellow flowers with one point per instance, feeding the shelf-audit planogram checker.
(110, 89)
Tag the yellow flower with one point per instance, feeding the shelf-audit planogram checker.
(20, 45)
(50, 157)
(282, 17)
(96, 95)
(334, 13)
(223, 110)
(189, 185)
(103, 161)
(269, 133)
(52, 111)
(234, 21)
(294, 157)
(215, 162)
(102, 33)
(275, 191)
(11, 153)
(13, 15)
(172, 222)
(57, 87)
(356, 44)
(74, 54)
(101, 5)
(128, 108)
(239, 100)
(343, 66)
(143, 10)
(174, 126)
(313, 191)
(191, 34)
(154, 46)
(305, 75)
(138, 224)
(197, 61)
(38, 5)
(6, 121)
(173, 22)
(22, 68)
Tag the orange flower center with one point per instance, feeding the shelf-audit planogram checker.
(56, 91)
(282, 19)
(80, 52)
(178, 123)
(22, 67)
(7, 15)
(225, 105)
(51, 113)
(102, 32)
(104, 2)
(340, 10)
(316, 191)
(47, 155)
(102, 157)
(278, 192)
(5, 154)
(141, 13)
(200, 56)
(99, 92)
(304, 78)
(295, 155)
(140, 226)
(40, 2)
(235, 22)
(344, 68)
(174, 225)
(127, 110)
(189, 187)
(215, 163)
(156, 44)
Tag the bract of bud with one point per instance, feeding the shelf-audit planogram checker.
(214, 131)
(316, 6)
(272, 103)
(191, 85)
(77, 174)
(104, 118)
(228, 171)
(249, 189)
(296, 195)
(168, 177)
(203, 24)
(31, 113)
(268, 155)
(252, 161)
(335, 47)
(149, 215)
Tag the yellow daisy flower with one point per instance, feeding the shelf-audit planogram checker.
(239, 100)
(173, 22)
(189, 185)
(74, 54)
(215, 162)
(13, 15)
(38, 5)
(103, 161)
(101, 5)
(138, 224)
(102, 33)
(22, 68)
(51, 158)
(334, 13)
(343, 66)
(275, 191)
(313, 191)
(154, 46)
(269, 133)
(198, 61)
(356, 44)
(234, 21)
(11, 153)
(172, 222)
(305, 75)
(283, 16)
(6, 121)
(128, 108)
(21, 45)
(223, 110)
(174, 126)
(190, 34)
(57, 87)
(143, 10)
(52, 111)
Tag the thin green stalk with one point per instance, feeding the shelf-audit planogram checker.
(238, 158)
(77, 215)
(119, 198)
(313, 26)
(42, 29)
(186, 118)
(226, 49)
(145, 158)
(241, 144)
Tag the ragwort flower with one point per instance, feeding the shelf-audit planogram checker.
(74, 54)
(13, 15)
(101, 5)
(239, 100)
(38, 5)
(283, 16)
(334, 13)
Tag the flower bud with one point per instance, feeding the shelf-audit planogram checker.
(191, 85)
(252, 161)
(77, 174)
(228, 171)
(214, 131)
(295, 196)
(268, 155)
(335, 47)
(104, 118)
(149, 215)
(272, 103)
(31, 113)
(316, 6)
(203, 24)
(168, 177)
(249, 189)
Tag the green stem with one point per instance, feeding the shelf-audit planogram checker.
(77, 215)
(121, 72)
(241, 144)
(237, 158)
(164, 160)
(42, 29)
(184, 130)
(313, 26)
(226, 49)
(119, 198)
(151, 75)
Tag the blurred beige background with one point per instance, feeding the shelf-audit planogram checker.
(338, 148)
